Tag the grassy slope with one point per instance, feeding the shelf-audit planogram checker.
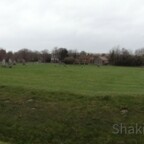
(56, 104)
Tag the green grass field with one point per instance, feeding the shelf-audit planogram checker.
(87, 80)
(58, 104)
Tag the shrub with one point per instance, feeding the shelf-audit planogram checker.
(69, 60)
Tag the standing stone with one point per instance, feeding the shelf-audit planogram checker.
(10, 63)
(3, 63)
(14, 62)
(23, 62)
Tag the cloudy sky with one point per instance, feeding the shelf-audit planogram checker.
(89, 25)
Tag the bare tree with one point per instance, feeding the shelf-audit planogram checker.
(2, 54)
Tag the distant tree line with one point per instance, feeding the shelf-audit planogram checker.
(26, 55)
(59, 55)
(117, 56)
(124, 57)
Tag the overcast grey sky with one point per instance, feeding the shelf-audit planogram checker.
(90, 25)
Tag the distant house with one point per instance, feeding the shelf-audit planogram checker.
(101, 60)
(92, 59)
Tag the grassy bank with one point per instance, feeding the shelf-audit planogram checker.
(45, 104)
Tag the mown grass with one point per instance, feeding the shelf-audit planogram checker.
(56, 104)
(76, 79)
